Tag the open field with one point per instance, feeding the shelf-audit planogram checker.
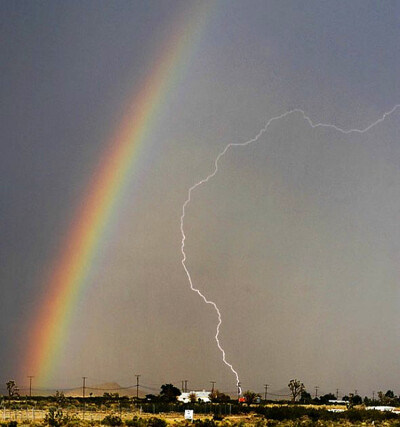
(263, 415)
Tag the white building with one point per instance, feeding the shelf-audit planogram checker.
(203, 396)
(382, 408)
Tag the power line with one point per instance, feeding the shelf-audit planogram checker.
(279, 395)
(110, 388)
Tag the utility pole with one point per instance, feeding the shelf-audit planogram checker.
(373, 396)
(30, 384)
(266, 391)
(212, 388)
(183, 388)
(84, 386)
(186, 381)
(316, 391)
(137, 385)
(337, 394)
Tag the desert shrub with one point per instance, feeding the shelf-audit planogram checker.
(56, 418)
(205, 423)
(76, 422)
(353, 415)
(281, 413)
(136, 422)
(309, 416)
(143, 422)
(357, 415)
(156, 422)
(112, 420)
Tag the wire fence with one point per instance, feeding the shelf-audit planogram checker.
(30, 413)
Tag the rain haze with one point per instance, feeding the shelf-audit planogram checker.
(296, 238)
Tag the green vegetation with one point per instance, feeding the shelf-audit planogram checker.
(287, 415)
(169, 392)
(296, 388)
(251, 397)
(143, 422)
(217, 396)
(112, 420)
(297, 412)
(12, 389)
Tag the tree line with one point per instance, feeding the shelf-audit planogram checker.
(297, 392)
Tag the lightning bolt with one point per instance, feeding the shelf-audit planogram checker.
(215, 171)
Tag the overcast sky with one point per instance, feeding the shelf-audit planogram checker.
(296, 238)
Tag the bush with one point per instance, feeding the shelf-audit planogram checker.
(308, 416)
(76, 422)
(143, 422)
(136, 422)
(56, 418)
(218, 417)
(156, 422)
(112, 420)
(9, 424)
(205, 423)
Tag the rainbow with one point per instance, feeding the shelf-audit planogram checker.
(72, 265)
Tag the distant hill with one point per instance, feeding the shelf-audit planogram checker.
(100, 389)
